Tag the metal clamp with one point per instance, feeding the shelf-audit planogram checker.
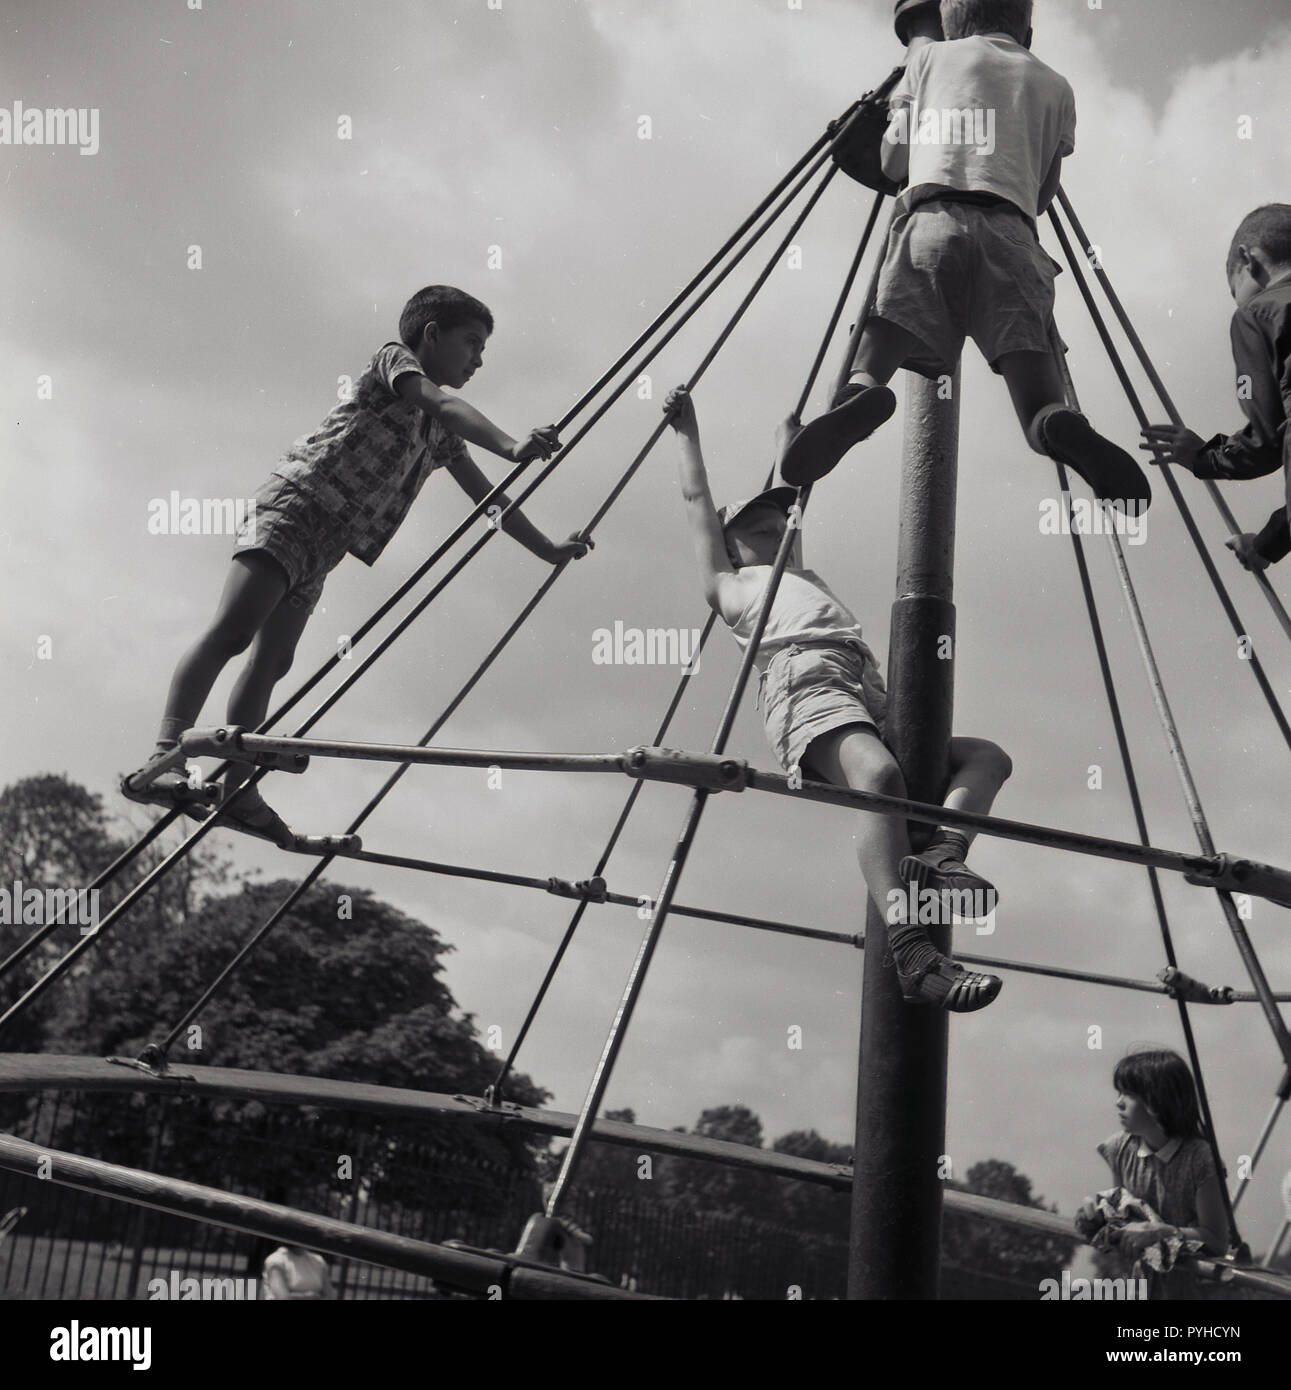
(700, 770)
(592, 890)
(1181, 986)
(1232, 875)
(227, 742)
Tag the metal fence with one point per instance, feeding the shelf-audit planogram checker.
(432, 1184)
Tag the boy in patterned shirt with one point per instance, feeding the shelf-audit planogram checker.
(345, 488)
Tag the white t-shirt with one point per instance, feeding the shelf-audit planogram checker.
(983, 115)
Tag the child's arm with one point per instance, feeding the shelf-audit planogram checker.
(1049, 188)
(470, 424)
(471, 480)
(727, 593)
(1212, 1223)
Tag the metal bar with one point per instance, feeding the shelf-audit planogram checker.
(1136, 801)
(895, 1243)
(451, 1268)
(1167, 474)
(1265, 1134)
(1252, 875)
(30, 1072)
(672, 875)
(255, 747)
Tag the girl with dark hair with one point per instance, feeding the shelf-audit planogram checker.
(1161, 1159)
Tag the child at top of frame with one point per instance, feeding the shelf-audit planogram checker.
(1259, 278)
(978, 131)
(823, 705)
(1161, 1158)
(345, 488)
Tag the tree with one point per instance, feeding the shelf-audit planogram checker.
(55, 834)
(708, 1186)
(993, 1247)
(810, 1206)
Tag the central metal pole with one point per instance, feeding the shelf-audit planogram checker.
(895, 1244)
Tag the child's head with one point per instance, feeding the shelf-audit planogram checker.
(917, 19)
(962, 18)
(753, 529)
(1260, 252)
(447, 329)
(1156, 1082)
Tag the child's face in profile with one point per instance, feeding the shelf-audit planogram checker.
(450, 357)
(1243, 282)
(755, 537)
(1135, 1115)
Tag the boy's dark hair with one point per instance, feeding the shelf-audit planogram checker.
(1269, 229)
(1161, 1080)
(962, 18)
(440, 304)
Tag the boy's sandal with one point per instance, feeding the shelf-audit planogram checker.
(947, 985)
(260, 820)
(817, 447)
(938, 869)
(172, 791)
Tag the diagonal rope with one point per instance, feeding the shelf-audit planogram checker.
(676, 866)
(1136, 801)
(1185, 512)
(480, 509)
(153, 1052)
(495, 1091)
(204, 828)
(1216, 496)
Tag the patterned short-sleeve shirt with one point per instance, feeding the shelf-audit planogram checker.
(1167, 1180)
(366, 463)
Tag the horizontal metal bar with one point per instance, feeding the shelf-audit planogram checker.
(701, 770)
(468, 1272)
(855, 940)
(28, 1072)
(257, 748)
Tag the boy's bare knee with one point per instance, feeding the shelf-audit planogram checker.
(998, 760)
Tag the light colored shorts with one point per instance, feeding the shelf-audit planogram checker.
(810, 689)
(303, 538)
(956, 270)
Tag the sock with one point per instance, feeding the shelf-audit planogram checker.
(911, 949)
(169, 731)
(952, 840)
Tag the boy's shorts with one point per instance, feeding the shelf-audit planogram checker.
(955, 270)
(303, 538)
(809, 689)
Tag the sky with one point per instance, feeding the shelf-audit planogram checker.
(497, 146)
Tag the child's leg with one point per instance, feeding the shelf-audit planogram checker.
(269, 662)
(882, 349)
(1054, 429)
(855, 756)
(857, 410)
(252, 592)
(978, 769)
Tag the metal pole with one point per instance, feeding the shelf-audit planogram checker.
(901, 1088)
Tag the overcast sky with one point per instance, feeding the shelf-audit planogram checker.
(511, 132)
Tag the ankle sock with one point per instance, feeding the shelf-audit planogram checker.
(952, 840)
(911, 949)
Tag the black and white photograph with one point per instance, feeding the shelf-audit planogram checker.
(648, 659)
